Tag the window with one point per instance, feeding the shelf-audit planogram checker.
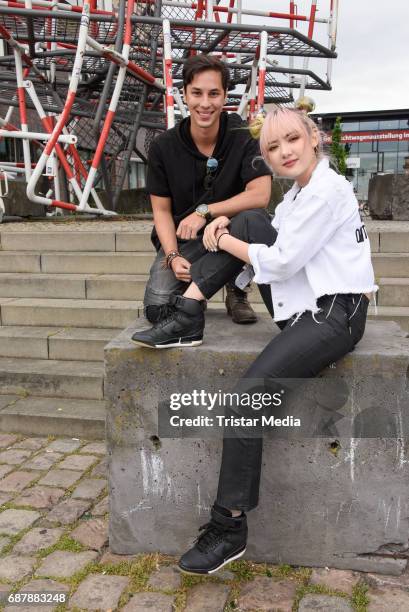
(401, 161)
(350, 126)
(366, 147)
(389, 124)
(390, 162)
(366, 126)
(368, 163)
(403, 123)
(388, 145)
(353, 149)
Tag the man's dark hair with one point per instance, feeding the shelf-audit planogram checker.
(199, 63)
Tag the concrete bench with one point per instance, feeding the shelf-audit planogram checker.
(340, 502)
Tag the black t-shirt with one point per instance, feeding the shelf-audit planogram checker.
(177, 169)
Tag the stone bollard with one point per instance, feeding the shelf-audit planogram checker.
(338, 499)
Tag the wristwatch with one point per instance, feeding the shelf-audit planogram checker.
(203, 211)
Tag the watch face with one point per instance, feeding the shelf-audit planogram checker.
(202, 209)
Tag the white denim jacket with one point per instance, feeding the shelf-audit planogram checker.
(322, 246)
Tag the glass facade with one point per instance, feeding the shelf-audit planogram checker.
(381, 152)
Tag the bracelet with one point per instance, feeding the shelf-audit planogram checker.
(217, 243)
(169, 258)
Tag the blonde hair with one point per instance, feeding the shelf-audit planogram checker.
(293, 119)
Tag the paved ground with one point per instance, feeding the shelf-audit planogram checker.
(53, 542)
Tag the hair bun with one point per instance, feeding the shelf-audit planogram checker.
(305, 104)
(256, 126)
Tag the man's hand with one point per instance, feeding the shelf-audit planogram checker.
(189, 226)
(211, 232)
(180, 267)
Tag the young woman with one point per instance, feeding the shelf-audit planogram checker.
(313, 267)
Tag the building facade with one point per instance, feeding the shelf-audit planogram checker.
(377, 143)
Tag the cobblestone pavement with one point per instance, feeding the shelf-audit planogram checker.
(54, 540)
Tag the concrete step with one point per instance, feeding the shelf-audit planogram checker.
(399, 314)
(12, 261)
(389, 241)
(393, 292)
(123, 287)
(38, 312)
(51, 378)
(72, 344)
(96, 263)
(53, 416)
(76, 262)
(83, 241)
(391, 265)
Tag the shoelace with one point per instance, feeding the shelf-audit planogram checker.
(166, 314)
(240, 299)
(211, 536)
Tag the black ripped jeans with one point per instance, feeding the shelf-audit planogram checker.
(302, 350)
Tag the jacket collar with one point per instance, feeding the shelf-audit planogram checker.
(319, 170)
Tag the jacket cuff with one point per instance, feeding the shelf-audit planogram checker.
(253, 252)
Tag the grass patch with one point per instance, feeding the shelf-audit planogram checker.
(244, 570)
(141, 569)
(360, 599)
(64, 543)
(317, 589)
(13, 540)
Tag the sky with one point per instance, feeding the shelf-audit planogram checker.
(372, 68)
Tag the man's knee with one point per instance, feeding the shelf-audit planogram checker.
(240, 221)
(253, 226)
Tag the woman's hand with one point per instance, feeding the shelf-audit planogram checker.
(212, 232)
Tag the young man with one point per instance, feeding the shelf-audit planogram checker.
(203, 168)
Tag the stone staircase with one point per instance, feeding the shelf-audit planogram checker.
(68, 287)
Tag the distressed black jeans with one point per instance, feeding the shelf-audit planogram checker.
(305, 346)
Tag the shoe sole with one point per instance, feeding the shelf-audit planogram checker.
(179, 344)
(237, 556)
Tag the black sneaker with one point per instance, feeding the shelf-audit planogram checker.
(183, 327)
(223, 540)
(155, 313)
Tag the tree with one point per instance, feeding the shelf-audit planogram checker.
(338, 151)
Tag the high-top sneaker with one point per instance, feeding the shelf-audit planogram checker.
(238, 306)
(182, 327)
(223, 540)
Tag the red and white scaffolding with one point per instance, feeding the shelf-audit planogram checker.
(86, 86)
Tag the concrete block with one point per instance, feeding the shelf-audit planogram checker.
(54, 416)
(40, 377)
(30, 342)
(94, 263)
(116, 287)
(134, 241)
(75, 313)
(58, 241)
(42, 286)
(399, 314)
(394, 242)
(393, 292)
(19, 262)
(374, 241)
(390, 264)
(388, 197)
(317, 507)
